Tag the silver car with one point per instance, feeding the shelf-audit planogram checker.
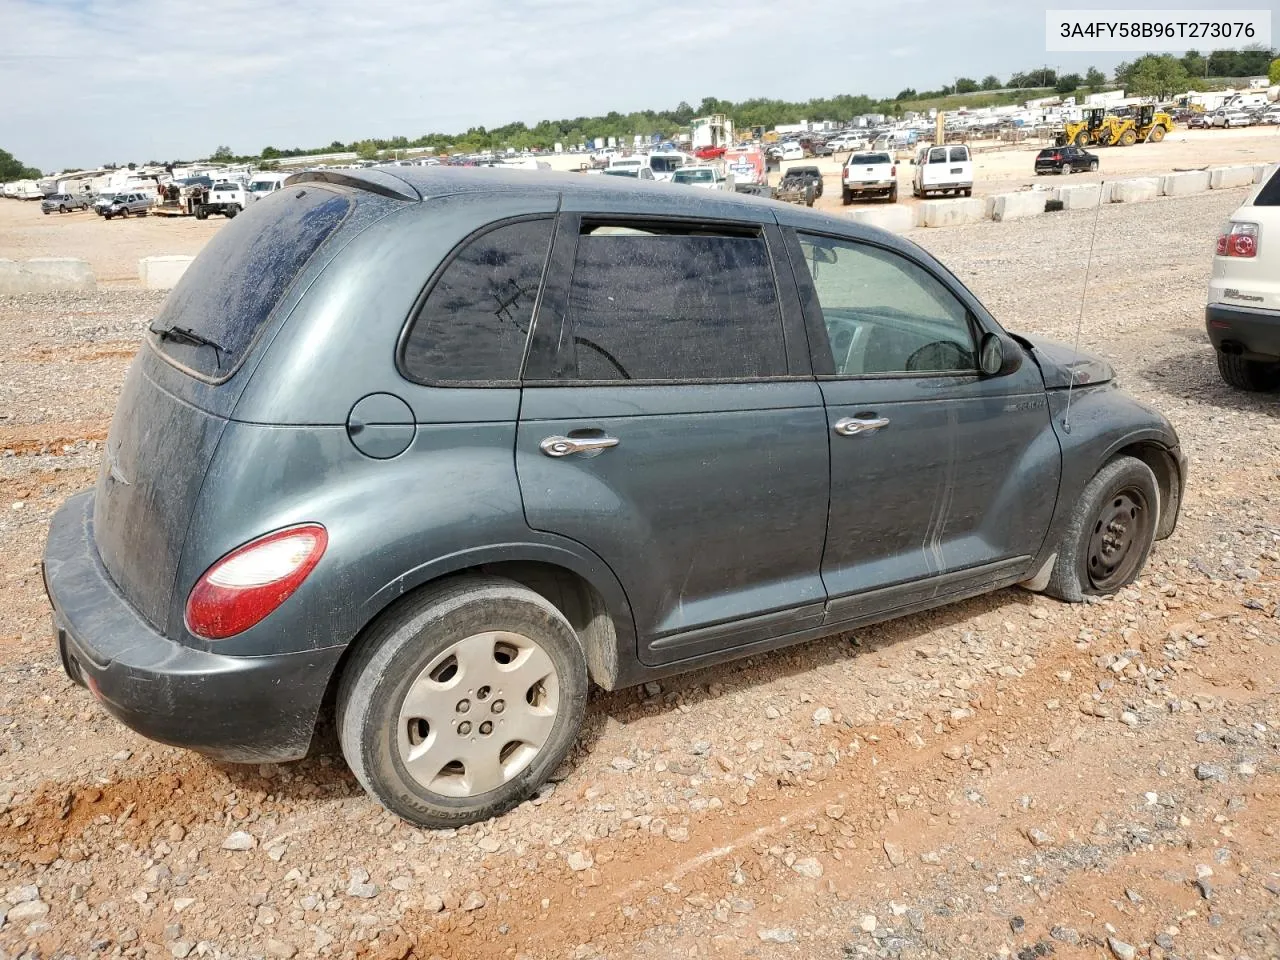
(62, 202)
(125, 204)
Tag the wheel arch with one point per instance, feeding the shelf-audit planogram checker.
(1169, 480)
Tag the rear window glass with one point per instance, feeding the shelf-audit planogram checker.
(662, 304)
(1269, 195)
(473, 325)
(959, 154)
(210, 319)
(869, 158)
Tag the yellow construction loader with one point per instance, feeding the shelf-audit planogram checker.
(1082, 133)
(1145, 124)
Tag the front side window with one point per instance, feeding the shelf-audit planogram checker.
(884, 313)
(474, 323)
(670, 303)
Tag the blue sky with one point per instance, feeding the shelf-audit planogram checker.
(87, 82)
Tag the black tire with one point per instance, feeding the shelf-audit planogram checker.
(201, 212)
(402, 644)
(1093, 166)
(230, 212)
(846, 196)
(1123, 492)
(45, 212)
(893, 194)
(1255, 375)
(62, 208)
(968, 191)
(1066, 169)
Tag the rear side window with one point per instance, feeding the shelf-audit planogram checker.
(1269, 195)
(211, 318)
(670, 304)
(474, 323)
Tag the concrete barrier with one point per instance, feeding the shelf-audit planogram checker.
(162, 273)
(1184, 184)
(895, 218)
(1015, 206)
(950, 213)
(1080, 196)
(45, 275)
(1262, 171)
(1224, 177)
(1133, 191)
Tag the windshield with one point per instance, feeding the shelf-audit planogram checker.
(627, 163)
(693, 176)
(623, 172)
(262, 186)
(870, 158)
(665, 164)
(226, 186)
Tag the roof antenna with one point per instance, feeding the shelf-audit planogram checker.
(1075, 349)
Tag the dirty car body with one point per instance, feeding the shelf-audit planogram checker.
(694, 494)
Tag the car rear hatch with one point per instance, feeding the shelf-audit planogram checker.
(192, 367)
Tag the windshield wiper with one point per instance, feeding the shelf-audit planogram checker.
(189, 336)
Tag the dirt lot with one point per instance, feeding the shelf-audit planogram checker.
(1005, 777)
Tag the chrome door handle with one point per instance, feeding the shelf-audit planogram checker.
(563, 446)
(852, 426)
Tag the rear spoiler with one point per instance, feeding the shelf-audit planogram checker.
(374, 181)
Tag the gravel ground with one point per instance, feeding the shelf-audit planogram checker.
(1004, 777)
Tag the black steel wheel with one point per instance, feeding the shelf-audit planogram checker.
(1109, 534)
(1120, 532)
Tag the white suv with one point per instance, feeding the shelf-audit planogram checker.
(1243, 315)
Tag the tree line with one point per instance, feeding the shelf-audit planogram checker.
(11, 168)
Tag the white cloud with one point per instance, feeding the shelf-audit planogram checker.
(92, 81)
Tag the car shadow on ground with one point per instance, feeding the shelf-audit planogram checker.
(1195, 375)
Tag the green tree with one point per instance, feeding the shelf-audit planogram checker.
(1273, 72)
(991, 82)
(1157, 76)
(222, 155)
(367, 150)
(907, 93)
(1194, 63)
(965, 85)
(269, 153)
(1094, 79)
(1067, 83)
(11, 168)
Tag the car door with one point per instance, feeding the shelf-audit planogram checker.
(943, 481)
(669, 422)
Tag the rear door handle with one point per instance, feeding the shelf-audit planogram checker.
(563, 446)
(853, 426)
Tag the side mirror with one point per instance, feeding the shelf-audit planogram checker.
(996, 357)
(913, 161)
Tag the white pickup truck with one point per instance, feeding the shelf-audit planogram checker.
(706, 176)
(869, 175)
(226, 198)
(943, 169)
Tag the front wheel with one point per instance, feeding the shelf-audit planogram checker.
(62, 208)
(1254, 375)
(1081, 139)
(1093, 166)
(1109, 534)
(968, 191)
(462, 701)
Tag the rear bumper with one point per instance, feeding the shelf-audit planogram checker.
(1245, 331)
(241, 709)
(884, 186)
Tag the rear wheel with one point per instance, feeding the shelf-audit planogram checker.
(846, 196)
(230, 212)
(1109, 534)
(1066, 169)
(893, 194)
(1248, 374)
(201, 212)
(968, 191)
(461, 702)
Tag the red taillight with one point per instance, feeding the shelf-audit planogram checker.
(893, 171)
(1239, 240)
(251, 581)
(1057, 157)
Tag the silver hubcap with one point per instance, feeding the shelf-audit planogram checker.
(478, 714)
